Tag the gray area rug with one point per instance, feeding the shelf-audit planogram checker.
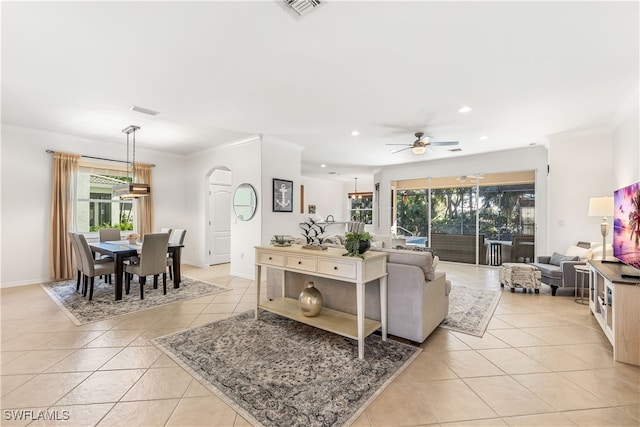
(278, 372)
(470, 309)
(103, 305)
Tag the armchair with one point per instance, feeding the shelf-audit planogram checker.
(558, 271)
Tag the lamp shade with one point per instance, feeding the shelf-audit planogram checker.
(601, 206)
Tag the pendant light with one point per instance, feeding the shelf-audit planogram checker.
(355, 195)
(131, 190)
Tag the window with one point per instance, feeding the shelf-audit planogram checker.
(361, 207)
(95, 206)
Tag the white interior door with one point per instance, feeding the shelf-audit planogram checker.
(219, 217)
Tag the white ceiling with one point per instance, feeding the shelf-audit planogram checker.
(221, 71)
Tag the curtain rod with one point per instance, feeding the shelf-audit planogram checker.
(99, 158)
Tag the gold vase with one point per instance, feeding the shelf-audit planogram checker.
(310, 300)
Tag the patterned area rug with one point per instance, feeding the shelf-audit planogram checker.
(278, 372)
(103, 305)
(470, 309)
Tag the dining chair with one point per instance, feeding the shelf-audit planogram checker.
(152, 261)
(109, 234)
(177, 238)
(76, 252)
(165, 230)
(92, 267)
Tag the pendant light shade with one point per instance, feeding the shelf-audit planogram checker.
(131, 190)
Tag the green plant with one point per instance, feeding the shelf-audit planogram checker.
(352, 243)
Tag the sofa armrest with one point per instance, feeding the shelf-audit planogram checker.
(544, 259)
(569, 272)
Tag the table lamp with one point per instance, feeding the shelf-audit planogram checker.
(602, 206)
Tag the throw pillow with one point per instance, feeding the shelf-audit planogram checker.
(557, 258)
(376, 245)
(582, 253)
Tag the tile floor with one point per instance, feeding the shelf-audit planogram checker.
(542, 362)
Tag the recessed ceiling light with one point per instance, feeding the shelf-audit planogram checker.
(483, 137)
(143, 110)
(323, 165)
(464, 109)
(355, 133)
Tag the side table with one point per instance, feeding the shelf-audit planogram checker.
(582, 271)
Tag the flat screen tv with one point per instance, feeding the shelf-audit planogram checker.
(626, 228)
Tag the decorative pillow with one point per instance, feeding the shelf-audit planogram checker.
(383, 239)
(557, 258)
(582, 253)
(377, 245)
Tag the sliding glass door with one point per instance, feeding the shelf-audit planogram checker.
(463, 217)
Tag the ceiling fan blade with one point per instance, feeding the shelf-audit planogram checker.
(402, 149)
(400, 144)
(443, 143)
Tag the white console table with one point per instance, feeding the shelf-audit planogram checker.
(614, 301)
(329, 263)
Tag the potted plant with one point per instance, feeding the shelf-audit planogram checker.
(357, 243)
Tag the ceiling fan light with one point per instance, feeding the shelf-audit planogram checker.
(419, 149)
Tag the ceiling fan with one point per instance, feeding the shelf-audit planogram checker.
(421, 143)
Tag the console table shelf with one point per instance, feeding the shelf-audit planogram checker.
(331, 264)
(614, 301)
(334, 321)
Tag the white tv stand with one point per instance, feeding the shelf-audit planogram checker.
(615, 303)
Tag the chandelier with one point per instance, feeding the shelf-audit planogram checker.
(131, 190)
(356, 195)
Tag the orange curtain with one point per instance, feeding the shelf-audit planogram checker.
(142, 175)
(65, 172)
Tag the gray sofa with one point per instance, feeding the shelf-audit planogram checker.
(417, 295)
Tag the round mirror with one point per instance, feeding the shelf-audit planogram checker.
(245, 202)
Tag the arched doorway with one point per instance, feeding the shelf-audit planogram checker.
(218, 216)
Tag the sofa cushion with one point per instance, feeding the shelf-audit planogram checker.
(549, 270)
(557, 258)
(583, 254)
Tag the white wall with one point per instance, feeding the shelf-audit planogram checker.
(530, 158)
(581, 167)
(329, 198)
(626, 142)
(282, 160)
(243, 159)
(26, 195)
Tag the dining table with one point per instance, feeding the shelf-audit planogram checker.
(122, 250)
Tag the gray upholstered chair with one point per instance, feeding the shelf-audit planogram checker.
(78, 256)
(152, 261)
(176, 238)
(109, 234)
(355, 227)
(92, 267)
(165, 230)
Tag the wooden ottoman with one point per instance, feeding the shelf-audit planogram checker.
(518, 275)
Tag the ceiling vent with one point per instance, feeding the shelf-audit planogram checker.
(300, 8)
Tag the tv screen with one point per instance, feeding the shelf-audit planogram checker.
(626, 225)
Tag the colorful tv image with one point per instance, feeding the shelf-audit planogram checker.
(626, 225)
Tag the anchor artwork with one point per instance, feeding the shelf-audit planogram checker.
(282, 195)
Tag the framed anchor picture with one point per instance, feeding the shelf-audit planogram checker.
(282, 195)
